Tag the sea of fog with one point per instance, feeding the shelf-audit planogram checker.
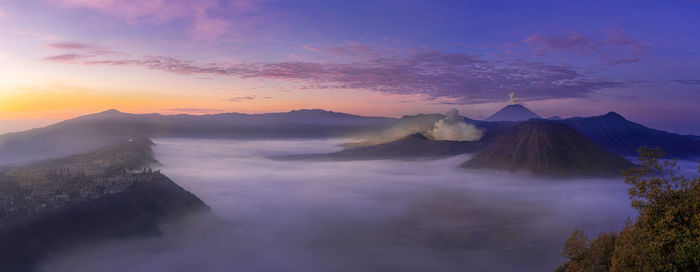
(424, 215)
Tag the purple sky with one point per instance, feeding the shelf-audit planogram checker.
(68, 57)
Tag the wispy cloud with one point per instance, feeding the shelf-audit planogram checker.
(241, 98)
(69, 45)
(246, 98)
(201, 16)
(434, 74)
(25, 33)
(615, 49)
(76, 52)
(688, 81)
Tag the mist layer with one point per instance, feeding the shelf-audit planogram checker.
(271, 215)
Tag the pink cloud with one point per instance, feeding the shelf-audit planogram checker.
(206, 28)
(435, 75)
(198, 13)
(241, 98)
(137, 11)
(615, 49)
(558, 43)
(68, 45)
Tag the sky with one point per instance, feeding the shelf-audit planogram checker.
(64, 58)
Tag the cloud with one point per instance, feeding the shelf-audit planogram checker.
(544, 44)
(79, 51)
(246, 98)
(241, 98)
(136, 11)
(26, 33)
(69, 45)
(615, 49)
(200, 15)
(688, 81)
(459, 78)
(340, 216)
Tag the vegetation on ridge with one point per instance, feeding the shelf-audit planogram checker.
(665, 236)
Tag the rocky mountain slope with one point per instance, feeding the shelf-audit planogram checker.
(548, 148)
(514, 112)
(49, 205)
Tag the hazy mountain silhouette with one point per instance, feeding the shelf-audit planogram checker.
(611, 131)
(548, 148)
(624, 137)
(98, 130)
(514, 112)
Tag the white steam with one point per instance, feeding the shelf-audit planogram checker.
(453, 129)
(513, 100)
(432, 126)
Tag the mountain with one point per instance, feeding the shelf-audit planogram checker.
(624, 137)
(513, 112)
(548, 148)
(421, 123)
(94, 131)
(109, 193)
(414, 146)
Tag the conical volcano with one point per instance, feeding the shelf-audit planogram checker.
(548, 148)
(513, 112)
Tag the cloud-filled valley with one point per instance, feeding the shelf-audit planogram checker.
(424, 215)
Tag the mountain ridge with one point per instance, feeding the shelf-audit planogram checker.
(624, 137)
(93, 131)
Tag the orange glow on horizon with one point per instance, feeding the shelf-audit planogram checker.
(59, 102)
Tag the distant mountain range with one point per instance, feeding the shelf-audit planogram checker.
(384, 137)
(604, 135)
(94, 131)
(548, 148)
(514, 112)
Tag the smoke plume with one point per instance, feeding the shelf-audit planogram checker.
(433, 126)
(513, 100)
(453, 129)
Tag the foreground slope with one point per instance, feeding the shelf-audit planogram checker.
(548, 148)
(52, 204)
